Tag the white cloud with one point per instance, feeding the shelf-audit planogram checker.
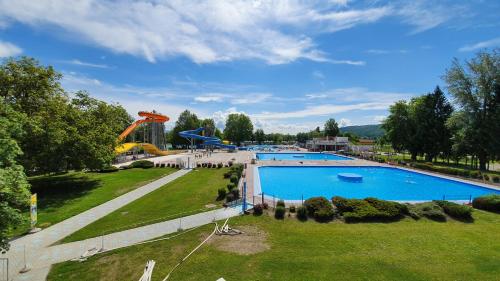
(8, 50)
(344, 122)
(212, 97)
(204, 31)
(358, 94)
(481, 45)
(87, 64)
(425, 15)
(379, 118)
(252, 98)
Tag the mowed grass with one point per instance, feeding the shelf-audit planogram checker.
(404, 250)
(63, 196)
(186, 195)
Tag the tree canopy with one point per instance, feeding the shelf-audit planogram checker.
(260, 136)
(186, 121)
(238, 128)
(331, 128)
(14, 187)
(475, 88)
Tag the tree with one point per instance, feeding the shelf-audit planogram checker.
(93, 137)
(238, 128)
(186, 121)
(476, 90)
(209, 126)
(397, 126)
(431, 112)
(331, 128)
(60, 133)
(14, 187)
(260, 136)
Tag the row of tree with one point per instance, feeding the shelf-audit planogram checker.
(430, 126)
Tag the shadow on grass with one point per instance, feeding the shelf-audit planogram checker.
(54, 191)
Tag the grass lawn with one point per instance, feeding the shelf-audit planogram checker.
(404, 250)
(187, 194)
(63, 196)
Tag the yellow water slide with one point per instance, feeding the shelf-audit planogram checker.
(148, 147)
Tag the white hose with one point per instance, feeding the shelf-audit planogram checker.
(216, 229)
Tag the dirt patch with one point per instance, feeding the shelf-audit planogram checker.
(252, 241)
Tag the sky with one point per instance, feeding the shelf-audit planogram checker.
(289, 65)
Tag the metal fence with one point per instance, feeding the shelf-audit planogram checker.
(4, 269)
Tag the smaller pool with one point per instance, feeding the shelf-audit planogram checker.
(300, 156)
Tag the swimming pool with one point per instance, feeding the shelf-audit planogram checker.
(300, 156)
(295, 183)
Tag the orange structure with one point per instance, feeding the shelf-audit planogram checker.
(149, 117)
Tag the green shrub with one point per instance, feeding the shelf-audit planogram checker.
(302, 213)
(389, 208)
(368, 209)
(109, 169)
(496, 179)
(486, 177)
(258, 209)
(475, 174)
(455, 210)
(221, 193)
(162, 165)
(280, 203)
(234, 179)
(315, 204)
(430, 210)
(324, 214)
(279, 212)
(487, 202)
(219, 165)
(227, 174)
(145, 164)
(292, 209)
(230, 186)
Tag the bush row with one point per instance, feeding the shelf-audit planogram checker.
(488, 202)
(211, 165)
(373, 209)
(456, 171)
(234, 174)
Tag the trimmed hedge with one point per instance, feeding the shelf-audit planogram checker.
(221, 193)
(279, 212)
(302, 213)
(258, 209)
(109, 169)
(430, 210)
(319, 208)
(369, 209)
(487, 202)
(455, 210)
(145, 164)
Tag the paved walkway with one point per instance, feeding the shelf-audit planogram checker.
(37, 243)
(45, 257)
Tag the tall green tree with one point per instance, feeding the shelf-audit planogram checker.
(260, 136)
(186, 121)
(331, 128)
(14, 187)
(475, 88)
(431, 135)
(238, 128)
(398, 126)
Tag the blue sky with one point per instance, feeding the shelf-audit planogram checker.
(290, 65)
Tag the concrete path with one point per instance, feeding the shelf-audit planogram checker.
(45, 257)
(38, 242)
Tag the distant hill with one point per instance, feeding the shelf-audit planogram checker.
(364, 131)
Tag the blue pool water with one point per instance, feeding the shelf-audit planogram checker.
(291, 183)
(299, 156)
